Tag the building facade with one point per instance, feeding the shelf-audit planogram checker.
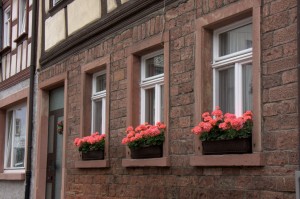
(16, 52)
(109, 64)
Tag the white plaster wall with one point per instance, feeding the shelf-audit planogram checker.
(8, 62)
(47, 3)
(55, 29)
(12, 189)
(14, 36)
(124, 1)
(81, 13)
(19, 58)
(111, 5)
(29, 55)
(14, 13)
(24, 54)
(14, 61)
(29, 24)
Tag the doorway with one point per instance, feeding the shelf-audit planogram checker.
(55, 144)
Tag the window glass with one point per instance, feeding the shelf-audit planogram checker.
(22, 16)
(150, 106)
(226, 89)
(98, 116)
(55, 2)
(154, 66)
(247, 87)
(235, 40)
(6, 31)
(162, 103)
(98, 102)
(101, 83)
(15, 138)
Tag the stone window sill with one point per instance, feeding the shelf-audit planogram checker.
(91, 164)
(151, 162)
(254, 159)
(12, 176)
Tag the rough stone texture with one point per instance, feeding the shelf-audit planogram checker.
(279, 117)
(12, 190)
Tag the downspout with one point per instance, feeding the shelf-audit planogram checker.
(31, 97)
(298, 66)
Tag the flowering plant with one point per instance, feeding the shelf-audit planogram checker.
(144, 135)
(60, 127)
(224, 127)
(93, 142)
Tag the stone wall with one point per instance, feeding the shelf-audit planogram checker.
(279, 112)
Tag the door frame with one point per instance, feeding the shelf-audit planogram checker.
(42, 132)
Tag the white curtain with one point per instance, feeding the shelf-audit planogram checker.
(247, 87)
(226, 90)
(236, 40)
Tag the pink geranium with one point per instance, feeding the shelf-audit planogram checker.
(143, 132)
(227, 126)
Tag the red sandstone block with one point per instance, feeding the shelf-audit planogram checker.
(271, 81)
(272, 54)
(275, 21)
(271, 195)
(289, 76)
(178, 43)
(288, 91)
(285, 35)
(267, 41)
(281, 65)
(290, 49)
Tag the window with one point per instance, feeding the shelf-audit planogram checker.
(22, 16)
(55, 2)
(6, 28)
(15, 138)
(232, 67)
(98, 102)
(152, 87)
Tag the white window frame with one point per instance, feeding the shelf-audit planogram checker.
(97, 96)
(238, 59)
(22, 19)
(12, 169)
(6, 27)
(151, 82)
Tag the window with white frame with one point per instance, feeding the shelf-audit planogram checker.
(6, 28)
(15, 138)
(98, 102)
(152, 87)
(22, 16)
(232, 67)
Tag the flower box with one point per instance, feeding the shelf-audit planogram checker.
(225, 134)
(93, 155)
(154, 151)
(235, 146)
(145, 141)
(91, 147)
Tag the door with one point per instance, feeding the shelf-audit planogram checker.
(55, 144)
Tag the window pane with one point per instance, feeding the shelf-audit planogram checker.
(19, 137)
(8, 142)
(247, 87)
(162, 104)
(100, 83)
(22, 13)
(98, 116)
(226, 90)
(235, 40)
(155, 66)
(150, 106)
